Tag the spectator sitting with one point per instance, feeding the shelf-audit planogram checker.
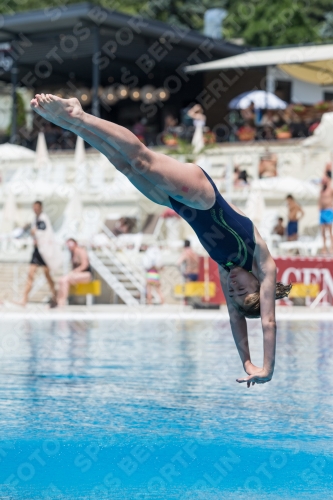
(249, 114)
(297, 126)
(240, 177)
(270, 118)
(170, 123)
(279, 228)
(190, 260)
(124, 225)
(246, 132)
(268, 122)
(268, 165)
(81, 272)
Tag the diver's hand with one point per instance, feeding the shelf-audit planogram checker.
(250, 368)
(261, 376)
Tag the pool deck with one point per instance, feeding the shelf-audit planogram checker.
(42, 312)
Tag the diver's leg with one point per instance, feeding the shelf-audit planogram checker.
(184, 181)
(148, 189)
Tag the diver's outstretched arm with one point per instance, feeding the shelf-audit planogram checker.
(239, 332)
(267, 280)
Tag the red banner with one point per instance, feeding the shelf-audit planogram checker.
(306, 270)
(318, 270)
(209, 271)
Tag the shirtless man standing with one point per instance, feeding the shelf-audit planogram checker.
(190, 260)
(295, 213)
(326, 207)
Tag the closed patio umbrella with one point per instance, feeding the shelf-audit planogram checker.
(9, 214)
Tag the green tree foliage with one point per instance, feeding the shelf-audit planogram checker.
(181, 12)
(301, 21)
(186, 13)
(14, 6)
(327, 27)
(20, 114)
(260, 23)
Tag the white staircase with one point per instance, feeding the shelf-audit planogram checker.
(123, 277)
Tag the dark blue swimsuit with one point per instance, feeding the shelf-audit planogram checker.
(227, 236)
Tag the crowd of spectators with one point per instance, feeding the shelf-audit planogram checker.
(250, 124)
(296, 121)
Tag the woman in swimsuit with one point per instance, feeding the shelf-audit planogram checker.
(247, 270)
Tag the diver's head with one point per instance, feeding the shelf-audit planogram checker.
(244, 292)
(242, 285)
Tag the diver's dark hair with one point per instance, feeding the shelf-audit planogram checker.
(72, 239)
(37, 202)
(252, 303)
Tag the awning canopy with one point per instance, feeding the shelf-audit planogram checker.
(55, 43)
(311, 63)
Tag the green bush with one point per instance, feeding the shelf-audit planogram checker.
(20, 115)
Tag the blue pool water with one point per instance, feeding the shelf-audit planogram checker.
(151, 410)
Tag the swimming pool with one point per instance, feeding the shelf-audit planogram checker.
(151, 410)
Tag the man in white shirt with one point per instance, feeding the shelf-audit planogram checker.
(40, 227)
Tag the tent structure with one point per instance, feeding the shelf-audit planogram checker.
(310, 63)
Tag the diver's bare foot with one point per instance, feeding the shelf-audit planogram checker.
(67, 109)
(37, 105)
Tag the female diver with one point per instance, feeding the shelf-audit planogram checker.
(247, 270)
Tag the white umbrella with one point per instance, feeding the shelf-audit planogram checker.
(42, 156)
(260, 98)
(73, 216)
(13, 152)
(287, 185)
(37, 189)
(255, 206)
(80, 152)
(80, 164)
(9, 214)
(323, 134)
